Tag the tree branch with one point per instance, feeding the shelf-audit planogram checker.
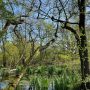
(73, 31)
(17, 33)
(62, 21)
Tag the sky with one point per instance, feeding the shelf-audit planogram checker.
(19, 10)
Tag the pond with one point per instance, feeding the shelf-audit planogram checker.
(25, 86)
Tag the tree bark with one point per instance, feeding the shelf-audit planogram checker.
(83, 51)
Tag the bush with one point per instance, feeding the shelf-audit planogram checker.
(51, 70)
(4, 72)
(18, 70)
(30, 71)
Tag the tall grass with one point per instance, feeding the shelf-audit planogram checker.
(58, 78)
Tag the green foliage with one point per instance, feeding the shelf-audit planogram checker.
(40, 83)
(51, 70)
(65, 80)
(62, 78)
(30, 71)
(2, 33)
(18, 71)
(59, 71)
(1, 1)
(40, 70)
(5, 14)
(65, 57)
(4, 72)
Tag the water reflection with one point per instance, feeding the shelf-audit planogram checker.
(24, 86)
(3, 85)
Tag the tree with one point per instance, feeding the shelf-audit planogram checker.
(61, 9)
(83, 50)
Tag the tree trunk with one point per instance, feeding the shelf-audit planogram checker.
(4, 54)
(83, 51)
(84, 62)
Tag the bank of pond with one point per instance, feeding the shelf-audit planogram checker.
(42, 78)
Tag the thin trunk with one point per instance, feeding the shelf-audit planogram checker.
(4, 55)
(32, 49)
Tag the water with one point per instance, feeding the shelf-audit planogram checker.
(51, 86)
(24, 86)
(3, 85)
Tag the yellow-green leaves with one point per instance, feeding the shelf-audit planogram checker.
(0, 1)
